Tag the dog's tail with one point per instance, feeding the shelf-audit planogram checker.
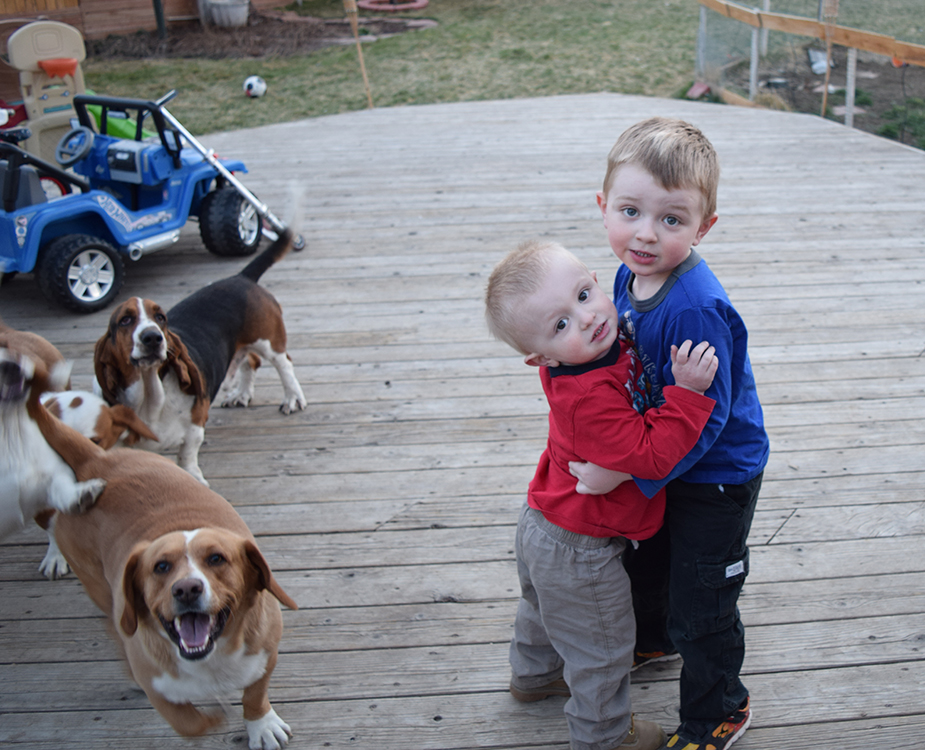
(287, 239)
(274, 253)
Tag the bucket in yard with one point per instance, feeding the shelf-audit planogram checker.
(228, 13)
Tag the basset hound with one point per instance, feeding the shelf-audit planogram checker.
(191, 599)
(93, 418)
(35, 481)
(169, 366)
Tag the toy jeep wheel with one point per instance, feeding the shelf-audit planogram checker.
(228, 224)
(80, 272)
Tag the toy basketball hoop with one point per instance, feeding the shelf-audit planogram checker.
(58, 67)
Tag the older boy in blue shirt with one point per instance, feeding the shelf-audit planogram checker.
(658, 201)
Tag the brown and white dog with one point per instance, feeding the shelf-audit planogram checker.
(104, 425)
(192, 601)
(34, 479)
(93, 418)
(37, 348)
(168, 367)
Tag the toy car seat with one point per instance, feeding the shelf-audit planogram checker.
(47, 55)
(26, 192)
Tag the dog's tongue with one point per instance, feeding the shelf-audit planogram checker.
(194, 629)
(11, 391)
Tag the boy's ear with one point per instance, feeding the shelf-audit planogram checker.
(704, 228)
(540, 360)
(602, 201)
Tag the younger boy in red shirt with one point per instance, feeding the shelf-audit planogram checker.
(574, 632)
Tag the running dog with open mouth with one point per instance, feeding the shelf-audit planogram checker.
(192, 601)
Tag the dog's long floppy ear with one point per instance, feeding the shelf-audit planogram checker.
(106, 367)
(135, 606)
(189, 376)
(126, 418)
(265, 579)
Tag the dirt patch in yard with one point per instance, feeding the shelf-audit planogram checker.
(888, 95)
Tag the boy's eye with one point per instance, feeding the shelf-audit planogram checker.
(672, 221)
(631, 212)
(561, 324)
(583, 295)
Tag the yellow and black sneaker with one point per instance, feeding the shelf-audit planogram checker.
(720, 738)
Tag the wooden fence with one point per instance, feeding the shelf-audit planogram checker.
(97, 19)
(843, 36)
(827, 30)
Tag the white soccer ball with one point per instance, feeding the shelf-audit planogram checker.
(255, 86)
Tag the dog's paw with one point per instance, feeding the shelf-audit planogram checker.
(236, 399)
(268, 732)
(53, 565)
(293, 404)
(89, 492)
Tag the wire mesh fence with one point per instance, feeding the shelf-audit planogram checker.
(877, 91)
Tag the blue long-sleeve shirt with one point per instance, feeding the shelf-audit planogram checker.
(692, 304)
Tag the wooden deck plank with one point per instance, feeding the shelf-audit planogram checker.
(493, 719)
(388, 506)
(481, 667)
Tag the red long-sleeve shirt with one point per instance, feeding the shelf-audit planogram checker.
(592, 418)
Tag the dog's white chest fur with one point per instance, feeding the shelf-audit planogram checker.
(162, 406)
(215, 676)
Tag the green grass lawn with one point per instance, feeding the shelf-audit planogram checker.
(480, 49)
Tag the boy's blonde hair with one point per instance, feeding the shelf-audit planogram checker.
(674, 152)
(520, 274)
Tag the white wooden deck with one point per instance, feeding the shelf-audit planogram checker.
(387, 508)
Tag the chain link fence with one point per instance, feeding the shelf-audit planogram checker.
(869, 86)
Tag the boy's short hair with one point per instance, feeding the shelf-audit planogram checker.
(676, 153)
(520, 274)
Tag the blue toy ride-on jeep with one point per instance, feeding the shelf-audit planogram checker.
(130, 196)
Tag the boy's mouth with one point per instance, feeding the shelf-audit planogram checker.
(642, 255)
(601, 330)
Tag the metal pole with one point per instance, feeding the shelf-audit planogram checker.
(753, 68)
(159, 17)
(849, 86)
(828, 10)
(765, 32)
(701, 63)
(209, 156)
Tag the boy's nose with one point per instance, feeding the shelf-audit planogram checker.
(645, 231)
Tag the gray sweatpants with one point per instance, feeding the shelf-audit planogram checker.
(575, 620)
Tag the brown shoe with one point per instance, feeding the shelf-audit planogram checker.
(528, 695)
(644, 735)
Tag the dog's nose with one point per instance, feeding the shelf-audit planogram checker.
(187, 591)
(10, 371)
(151, 337)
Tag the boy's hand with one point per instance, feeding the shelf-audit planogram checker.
(695, 368)
(594, 479)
